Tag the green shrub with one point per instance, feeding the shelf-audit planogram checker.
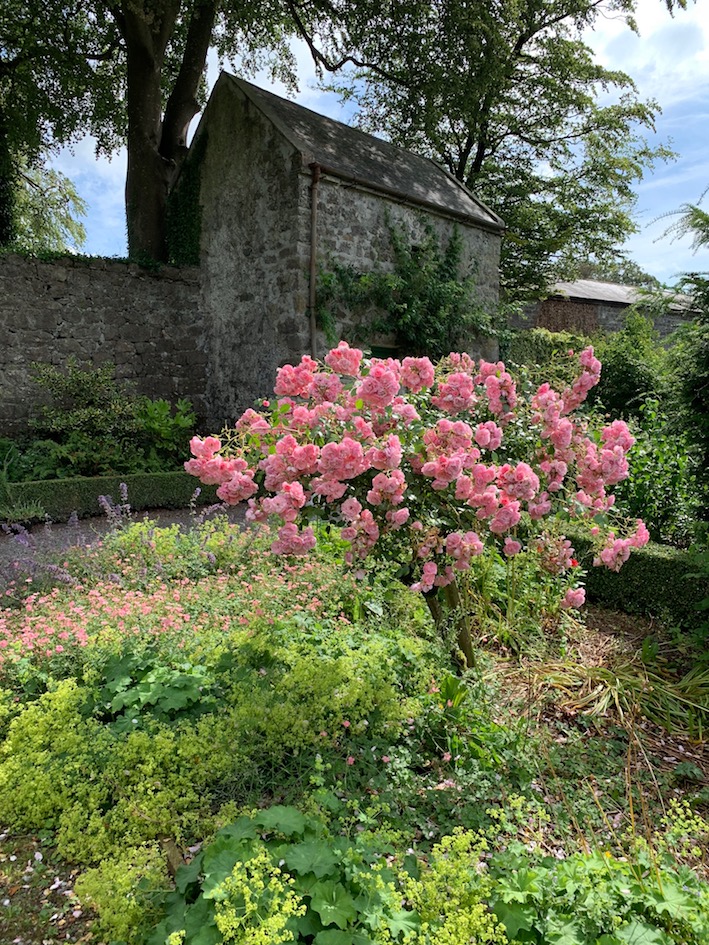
(95, 426)
(538, 346)
(690, 380)
(662, 487)
(657, 580)
(634, 367)
(59, 499)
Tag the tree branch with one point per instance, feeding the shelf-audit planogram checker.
(321, 60)
(182, 104)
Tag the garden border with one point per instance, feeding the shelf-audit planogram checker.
(657, 580)
(61, 497)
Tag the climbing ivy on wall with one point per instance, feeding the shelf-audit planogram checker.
(423, 302)
(184, 219)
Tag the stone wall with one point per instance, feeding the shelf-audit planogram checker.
(97, 311)
(354, 230)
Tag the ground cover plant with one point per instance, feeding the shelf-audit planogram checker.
(210, 743)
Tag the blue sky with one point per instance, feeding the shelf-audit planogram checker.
(669, 62)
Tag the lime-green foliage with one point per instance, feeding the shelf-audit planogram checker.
(451, 891)
(95, 426)
(196, 701)
(277, 876)
(538, 347)
(122, 890)
(208, 685)
(306, 884)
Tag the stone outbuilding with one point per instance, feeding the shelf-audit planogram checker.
(268, 193)
(587, 306)
(284, 190)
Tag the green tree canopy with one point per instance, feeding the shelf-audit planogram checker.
(507, 96)
(502, 91)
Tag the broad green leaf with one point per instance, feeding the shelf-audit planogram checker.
(311, 856)
(200, 926)
(333, 903)
(402, 921)
(639, 933)
(242, 829)
(515, 917)
(186, 875)
(671, 900)
(564, 932)
(337, 937)
(286, 820)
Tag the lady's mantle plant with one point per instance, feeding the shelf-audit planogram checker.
(427, 467)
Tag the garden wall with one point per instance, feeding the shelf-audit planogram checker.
(96, 310)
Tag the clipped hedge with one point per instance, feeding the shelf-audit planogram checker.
(654, 581)
(61, 497)
(538, 345)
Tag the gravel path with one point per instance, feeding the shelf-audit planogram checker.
(46, 540)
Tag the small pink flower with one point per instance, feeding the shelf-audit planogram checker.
(346, 724)
(350, 759)
(446, 756)
(574, 598)
(386, 759)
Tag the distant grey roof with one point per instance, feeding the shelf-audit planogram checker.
(346, 152)
(591, 290)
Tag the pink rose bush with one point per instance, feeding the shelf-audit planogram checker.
(429, 466)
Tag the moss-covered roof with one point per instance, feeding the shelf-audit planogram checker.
(353, 155)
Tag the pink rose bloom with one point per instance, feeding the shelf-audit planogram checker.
(292, 542)
(405, 412)
(205, 449)
(343, 460)
(519, 481)
(380, 387)
(253, 422)
(325, 388)
(505, 518)
(443, 470)
(539, 507)
(574, 598)
(238, 488)
(344, 360)
(455, 394)
(511, 547)
(388, 488)
(488, 435)
(389, 456)
(417, 373)
(397, 517)
(641, 536)
(294, 381)
(350, 509)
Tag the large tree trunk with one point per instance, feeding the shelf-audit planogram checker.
(156, 147)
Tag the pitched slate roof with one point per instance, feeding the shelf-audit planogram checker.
(591, 290)
(346, 152)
